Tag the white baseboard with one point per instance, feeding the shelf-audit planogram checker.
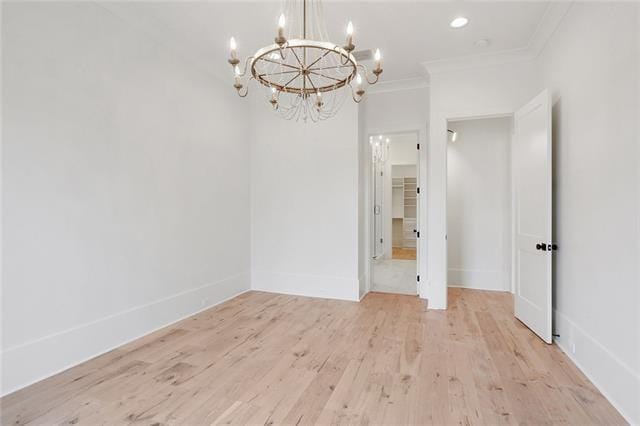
(477, 288)
(324, 286)
(478, 279)
(36, 360)
(614, 379)
(363, 287)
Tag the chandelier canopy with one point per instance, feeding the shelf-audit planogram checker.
(305, 76)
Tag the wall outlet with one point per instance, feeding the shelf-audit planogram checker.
(204, 302)
(572, 345)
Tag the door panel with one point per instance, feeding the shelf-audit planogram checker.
(532, 215)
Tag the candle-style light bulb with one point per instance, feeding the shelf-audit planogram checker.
(378, 58)
(233, 47)
(319, 102)
(360, 93)
(236, 71)
(281, 22)
(454, 136)
(274, 100)
(349, 46)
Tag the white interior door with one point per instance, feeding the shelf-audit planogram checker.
(532, 215)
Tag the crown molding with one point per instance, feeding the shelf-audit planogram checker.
(550, 21)
(477, 61)
(398, 85)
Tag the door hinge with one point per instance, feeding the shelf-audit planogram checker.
(418, 278)
(381, 241)
(418, 146)
(418, 234)
(381, 173)
(417, 190)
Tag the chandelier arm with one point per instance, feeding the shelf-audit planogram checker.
(246, 65)
(353, 95)
(246, 89)
(367, 73)
(282, 49)
(374, 80)
(340, 51)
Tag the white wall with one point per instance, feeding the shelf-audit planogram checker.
(304, 203)
(397, 112)
(590, 66)
(125, 187)
(479, 204)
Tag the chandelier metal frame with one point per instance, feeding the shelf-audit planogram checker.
(299, 72)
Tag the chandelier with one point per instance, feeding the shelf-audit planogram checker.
(379, 149)
(303, 74)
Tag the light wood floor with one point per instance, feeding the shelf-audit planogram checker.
(274, 359)
(403, 253)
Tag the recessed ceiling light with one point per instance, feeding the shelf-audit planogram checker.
(459, 22)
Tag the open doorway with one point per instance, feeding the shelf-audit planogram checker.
(395, 169)
(479, 234)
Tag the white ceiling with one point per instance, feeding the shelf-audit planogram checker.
(407, 33)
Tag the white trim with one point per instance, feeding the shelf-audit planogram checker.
(385, 86)
(440, 66)
(477, 288)
(479, 279)
(551, 20)
(362, 280)
(24, 364)
(370, 205)
(308, 285)
(553, 16)
(616, 380)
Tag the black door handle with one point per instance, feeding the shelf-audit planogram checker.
(541, 246)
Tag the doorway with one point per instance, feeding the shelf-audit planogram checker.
(395, 171)
(479, 232)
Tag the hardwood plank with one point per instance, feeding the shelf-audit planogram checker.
(269, 359)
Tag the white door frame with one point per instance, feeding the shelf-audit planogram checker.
(446, 183)
(371, 197)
